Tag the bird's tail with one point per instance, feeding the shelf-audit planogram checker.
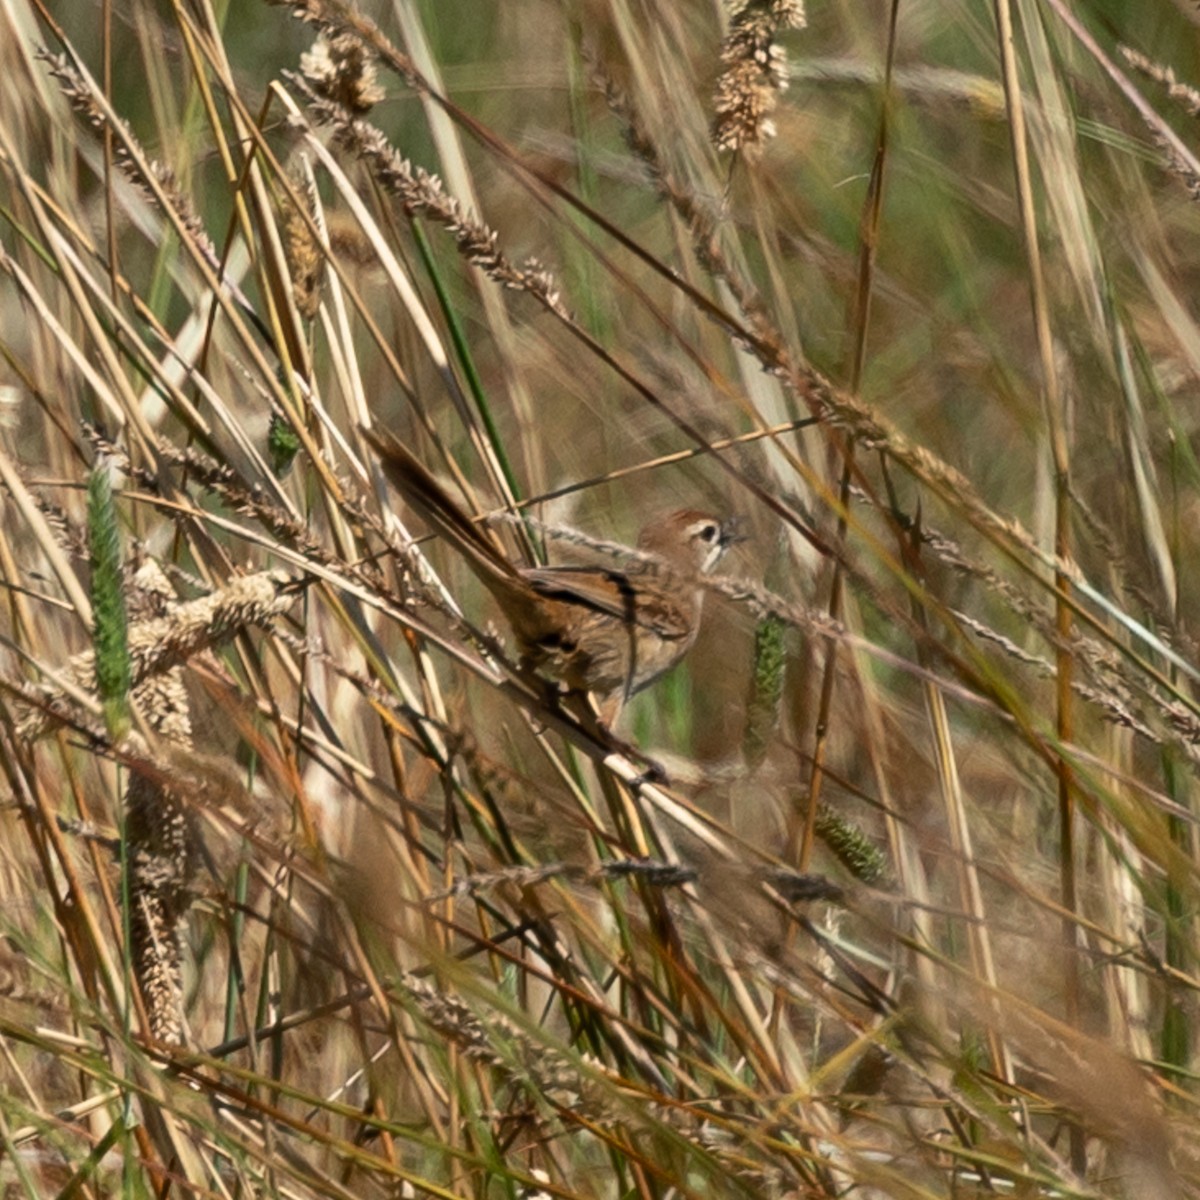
(443, 513)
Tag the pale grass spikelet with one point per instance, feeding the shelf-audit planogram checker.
(574, 1086)
(423, 194)
(1183, 94)
(162, 844)
(311, 12)
(160, 836)
(1187, 95)
(179, 201)
(338, 19)
(163, 642)
(702, 221)
(505, 1047)
(78, 94)
(306, 262)
(196, 625)
(754, 72)
(219, 480)
(340, 68)
(1177, 166)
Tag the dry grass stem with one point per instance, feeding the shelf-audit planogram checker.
(887, 888)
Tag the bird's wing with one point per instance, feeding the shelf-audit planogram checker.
(615, 594)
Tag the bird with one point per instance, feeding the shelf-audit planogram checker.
(607, 630)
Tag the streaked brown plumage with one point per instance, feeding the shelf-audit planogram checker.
(597, 628)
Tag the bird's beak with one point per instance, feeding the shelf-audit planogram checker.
(731, 532)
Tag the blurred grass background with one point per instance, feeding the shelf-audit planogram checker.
(914, 914)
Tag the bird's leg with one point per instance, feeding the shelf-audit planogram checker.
(596, 719)
(599, 721)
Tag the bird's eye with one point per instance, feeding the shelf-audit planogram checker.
(709, 532)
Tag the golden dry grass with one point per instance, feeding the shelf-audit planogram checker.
(913, 914)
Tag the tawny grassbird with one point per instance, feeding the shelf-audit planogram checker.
(609, 630)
